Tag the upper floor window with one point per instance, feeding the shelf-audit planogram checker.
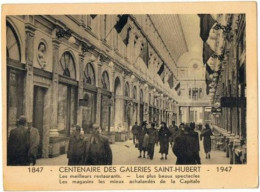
(89, 74)
(67, 65)
(12, 44)
(105, 81)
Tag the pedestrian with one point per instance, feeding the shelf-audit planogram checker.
(75, 152)
(18, 144)
(141, 133)
(97, 149)
(195, 146)
(153, 139)
(174, 132)
(135, 132)
(163, 136)
(34, 140)
(206, 133)
(182, 147)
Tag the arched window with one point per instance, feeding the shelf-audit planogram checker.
(89, 74)
(141, 96)
(12, 44)
(127, 89)
(105, 81)
(134, 92)
(67, 65)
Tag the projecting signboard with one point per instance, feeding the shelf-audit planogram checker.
(233, 102)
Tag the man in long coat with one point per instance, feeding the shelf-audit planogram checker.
(135, 132)
(76, 146)
(195, 147)
(164, 135)
(97, 150)
(34, 143)
(18, 144)
(152, 140)
(174, 132)
(182, 147)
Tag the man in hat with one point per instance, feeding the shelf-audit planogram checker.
(152, 140)
(182, 147)
(18, 144)
(34, 140)
(75, 152)
(97, 150)
(174, 132)
(135, 131)
(195, 147)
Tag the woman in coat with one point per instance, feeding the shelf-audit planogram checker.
(141, 134)
(206, 133)
(164, 135)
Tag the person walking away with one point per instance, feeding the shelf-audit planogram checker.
(34, 140)
(182, 147)
(174, 132)
(145, 143)
(141, 133)
(97, 149)
(163, 136)
(76, 147)
(135, 132)
(18, 144)
(206, 133)
(195, 146)
(153, 139)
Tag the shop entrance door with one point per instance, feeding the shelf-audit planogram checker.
(38, 114)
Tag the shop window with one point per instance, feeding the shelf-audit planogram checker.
(15, 79)
(67, 65)
(105, 81)
(88, 112)
(66, 109)
(89, 75)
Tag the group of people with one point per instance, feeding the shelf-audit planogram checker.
(145, 138)
(92, 150)
(23, 142)
(184, 141)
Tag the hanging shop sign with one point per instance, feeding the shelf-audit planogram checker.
(233, 102)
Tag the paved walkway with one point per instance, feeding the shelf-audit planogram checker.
(125, 153)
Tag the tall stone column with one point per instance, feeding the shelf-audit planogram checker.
(80, 88)
(123, 108)
(203, 115)
(29, 51)
(113, 98)
(188, 114)
(99, 94)
(55, 87)
(138, 102)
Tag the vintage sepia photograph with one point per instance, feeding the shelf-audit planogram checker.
(126, 89)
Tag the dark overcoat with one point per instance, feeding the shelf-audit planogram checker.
(18, 147)
(164, 135)
(206, 133)
(183, 149)
(97, 151)
(76, 150)
(141, 133)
